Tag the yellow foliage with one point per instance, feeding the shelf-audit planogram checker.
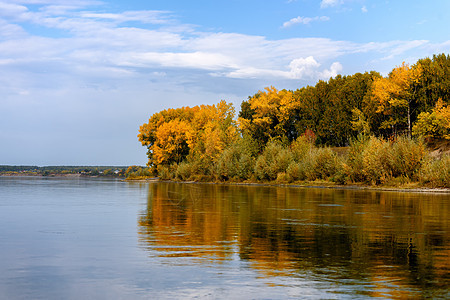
(272, 109)
(171, 141)
(434, 124)
(204, 131)
(393, 94)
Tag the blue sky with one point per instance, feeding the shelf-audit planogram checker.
(78, 78)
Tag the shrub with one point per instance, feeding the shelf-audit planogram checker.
(166, 172)
(134, 172)
(301, 147)
(376, 161)
(296, 171)
(184, 171)
(407, 157)
(354, 166)
(235, 162)
(274, 159)
(282, 177)
(436, 172)
(321, 163)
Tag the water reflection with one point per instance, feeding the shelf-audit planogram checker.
(370, 243)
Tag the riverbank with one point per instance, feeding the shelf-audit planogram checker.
(414, 188)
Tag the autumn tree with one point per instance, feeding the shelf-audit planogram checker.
(213, 129)
(269, 114)
(395, 96)
(434, 82)
(161, 130)
(201, 132)
(434, 124)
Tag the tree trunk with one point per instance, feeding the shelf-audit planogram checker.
(409, 119)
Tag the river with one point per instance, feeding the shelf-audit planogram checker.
(87, 238)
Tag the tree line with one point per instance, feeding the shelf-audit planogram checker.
(412, 101)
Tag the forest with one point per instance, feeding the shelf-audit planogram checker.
(363, 128)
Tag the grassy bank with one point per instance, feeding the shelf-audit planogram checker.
(368, 161)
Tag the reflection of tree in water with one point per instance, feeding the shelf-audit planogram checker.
(396, 241)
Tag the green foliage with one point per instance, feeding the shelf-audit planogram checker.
(354, 166)
(377, 161)
(407, 157)
(167, 172)
(434, 83)
(436, 172)
(297, 171)
(237, 161)
(321, 164)
(274, 159)
(136, 172)
(301, 147)
(184, 171)
(434, 124)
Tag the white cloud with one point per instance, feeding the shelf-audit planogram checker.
(364, 9)
(334, 70)
(8, 9)
(330, 3)
(147, 16)
(304, 20)
(299, 69)
(302, 67)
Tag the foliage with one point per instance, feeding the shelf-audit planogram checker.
(436, 172)
(269, 114)
(395, 96)
(434, 124)
(275, 159)
(237, 161)
(377, 161)
(135, 172)
(201, 132)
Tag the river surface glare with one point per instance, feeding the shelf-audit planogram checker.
(87, 238)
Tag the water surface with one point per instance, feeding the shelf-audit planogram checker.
(107, 239)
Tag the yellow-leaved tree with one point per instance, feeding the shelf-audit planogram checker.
(395, 94)
(213, 129)
(268, 114)
(165, 135)
(201, 132)
(434, 124)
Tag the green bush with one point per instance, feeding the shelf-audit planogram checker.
(353, 168)
(184, 171)
(296, 171)
(235, 163)
(274, 159)
(164, 172)
(301, 147)
(373, 160)
(134, 172)
(436, 172)
(377, 161)
(407, 157)
(321, 163)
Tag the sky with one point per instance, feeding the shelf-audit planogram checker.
(78, 77)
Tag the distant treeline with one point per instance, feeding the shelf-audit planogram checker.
(48, 170)
(280, 135)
